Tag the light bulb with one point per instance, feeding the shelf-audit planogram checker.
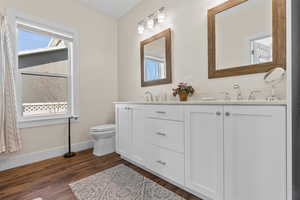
(150, 23)
(161, 17)
(141, 29)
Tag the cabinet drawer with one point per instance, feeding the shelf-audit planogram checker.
(167, 134)
(167, 163)
(166, 112)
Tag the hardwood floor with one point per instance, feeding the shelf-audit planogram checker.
(49, 179)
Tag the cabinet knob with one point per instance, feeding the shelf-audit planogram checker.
(227, 114)
(160, 112)
(161, 134)
(218, 113)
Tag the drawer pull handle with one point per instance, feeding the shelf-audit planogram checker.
(161, 162)
(218, 113)
(161, 112)
(161, 134)
(227, 114)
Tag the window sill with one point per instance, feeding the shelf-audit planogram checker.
(43, 121)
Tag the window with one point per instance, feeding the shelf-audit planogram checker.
(261, 50)
(154, 69)
(46, 72)
(43, 66)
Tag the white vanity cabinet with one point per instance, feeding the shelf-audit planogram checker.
(204, 150)
(255, 152)
(165, 142)
(124, 130)
(217, 152)
(131, 132)
(138, 135)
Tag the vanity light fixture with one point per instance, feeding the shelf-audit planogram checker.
(161, 16)
(141, 28)
(149, 22)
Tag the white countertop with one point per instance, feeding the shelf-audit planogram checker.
(215, 102)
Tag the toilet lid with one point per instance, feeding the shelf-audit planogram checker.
(102, 128)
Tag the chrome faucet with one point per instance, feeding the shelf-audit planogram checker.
(239, 95)
(151, 95)
(252, 95)
(226, 96)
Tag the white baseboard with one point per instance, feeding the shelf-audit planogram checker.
(9, 162)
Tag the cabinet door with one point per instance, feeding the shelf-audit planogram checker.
(203, 150)
(138, 135)
(124, 130)
(255, 152)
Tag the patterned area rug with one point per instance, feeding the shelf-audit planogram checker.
(120, 183)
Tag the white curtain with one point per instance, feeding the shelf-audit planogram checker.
(10, 140)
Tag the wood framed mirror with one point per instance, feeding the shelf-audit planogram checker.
(156, 59)
(246, 37)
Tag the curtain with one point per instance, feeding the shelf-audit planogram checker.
(10, 140)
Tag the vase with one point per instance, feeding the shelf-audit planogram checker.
(183, 97)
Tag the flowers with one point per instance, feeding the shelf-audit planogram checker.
(183, 89)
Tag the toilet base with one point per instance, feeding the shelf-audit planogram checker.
(104, 146)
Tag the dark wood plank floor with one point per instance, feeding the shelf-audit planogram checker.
(49, 179)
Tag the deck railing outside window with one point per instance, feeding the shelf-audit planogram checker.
(30, 109)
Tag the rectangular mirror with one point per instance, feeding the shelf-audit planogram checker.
(246, 37)
(156, 60)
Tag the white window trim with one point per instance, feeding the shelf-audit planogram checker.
(249, 41)
(252, 40)
(15, 18)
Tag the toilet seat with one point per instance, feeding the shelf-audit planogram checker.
(103, 128)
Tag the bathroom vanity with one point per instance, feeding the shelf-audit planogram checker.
(215, 150)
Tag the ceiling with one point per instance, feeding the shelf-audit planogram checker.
(115, 8)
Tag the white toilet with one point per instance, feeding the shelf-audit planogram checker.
(104, 139)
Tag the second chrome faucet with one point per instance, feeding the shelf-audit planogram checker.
(238, 90)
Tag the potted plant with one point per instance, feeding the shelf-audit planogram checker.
(183, 90)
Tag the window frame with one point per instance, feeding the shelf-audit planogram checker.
(16, 19)
(251, 44)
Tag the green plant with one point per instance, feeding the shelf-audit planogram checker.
(183, 88)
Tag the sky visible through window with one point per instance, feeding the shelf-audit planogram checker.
(30, 41)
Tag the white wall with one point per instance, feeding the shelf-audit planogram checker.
(236, 27)
(98, 68)
(156, 49)
(188, 20)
